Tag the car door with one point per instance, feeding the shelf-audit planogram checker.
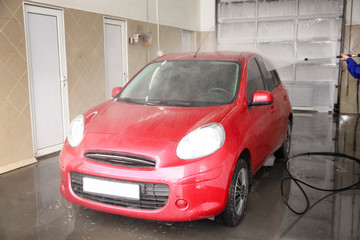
(284, 104)
(261, 116)
(271, 85)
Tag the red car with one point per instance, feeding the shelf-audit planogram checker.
(181, 141)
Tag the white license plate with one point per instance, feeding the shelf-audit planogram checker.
(118, 189)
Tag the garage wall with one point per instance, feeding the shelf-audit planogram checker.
(85, 57)
(139, 54)
(182, 14)
(15, 122)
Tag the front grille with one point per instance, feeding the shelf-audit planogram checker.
(152, 196)
(120, 159)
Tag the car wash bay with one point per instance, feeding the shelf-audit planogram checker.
(32, 208)
(90, 35)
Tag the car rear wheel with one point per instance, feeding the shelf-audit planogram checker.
(284, 151)
(238, 195)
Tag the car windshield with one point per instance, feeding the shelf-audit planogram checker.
(184, 83)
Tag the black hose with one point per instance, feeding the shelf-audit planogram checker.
(357, 96)
(298, 182)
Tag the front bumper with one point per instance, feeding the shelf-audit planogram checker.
(196, 189)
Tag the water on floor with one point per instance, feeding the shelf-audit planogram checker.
(31, 206)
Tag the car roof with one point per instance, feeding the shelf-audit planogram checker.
(219, 55)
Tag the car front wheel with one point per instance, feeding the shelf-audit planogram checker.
(238, 195)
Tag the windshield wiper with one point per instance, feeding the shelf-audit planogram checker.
(167, 103)
(131, 100)
(155, 102)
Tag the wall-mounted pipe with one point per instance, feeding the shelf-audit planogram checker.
(159, 52)
(349, 45)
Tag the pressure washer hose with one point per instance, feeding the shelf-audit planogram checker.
(298, 182)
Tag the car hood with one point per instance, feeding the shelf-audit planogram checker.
(171, 123)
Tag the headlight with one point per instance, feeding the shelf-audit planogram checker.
(76, 131)
(201, 142)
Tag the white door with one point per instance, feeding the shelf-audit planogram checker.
(45, 44)
(115, 54)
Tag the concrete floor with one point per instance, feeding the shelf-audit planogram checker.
(31, 206)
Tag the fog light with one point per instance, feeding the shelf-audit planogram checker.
(181, 203)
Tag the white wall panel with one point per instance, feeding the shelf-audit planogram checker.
(133, 9)
(191, 15)
(207, 15)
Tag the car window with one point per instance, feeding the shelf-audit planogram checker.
(268, 75)
(254, 80)
(184, 83)
(276, 78)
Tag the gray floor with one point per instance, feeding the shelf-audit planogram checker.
(31, 206)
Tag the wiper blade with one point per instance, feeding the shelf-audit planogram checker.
(168, 103)
(155, 102)
(131, 100)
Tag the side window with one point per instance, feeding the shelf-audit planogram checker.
(276, 78)
(268, 76)
(254, 79)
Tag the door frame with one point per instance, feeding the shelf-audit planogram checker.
(59, 14)
(123, 24)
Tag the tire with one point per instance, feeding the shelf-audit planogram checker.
(284, 151)
(238, 195)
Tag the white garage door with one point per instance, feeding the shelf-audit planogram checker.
(287, 31)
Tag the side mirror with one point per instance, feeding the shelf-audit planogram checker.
(115, 91)
(261, 98)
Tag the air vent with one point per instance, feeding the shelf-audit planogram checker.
(120, 159)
